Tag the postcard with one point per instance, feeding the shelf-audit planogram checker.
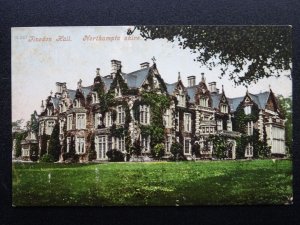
(151, 115)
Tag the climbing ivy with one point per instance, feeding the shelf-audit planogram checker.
(241, 119)
(158, 104)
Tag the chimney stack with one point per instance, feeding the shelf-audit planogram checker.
(212, 87)
(115, 66)
(60, 87)
(191, 81)
(144, 65)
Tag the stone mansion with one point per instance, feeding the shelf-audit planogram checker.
(87, 121)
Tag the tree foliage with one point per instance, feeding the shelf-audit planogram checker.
(54, 143)
(220, 146)
(177, 151)
(115, 156)
(285, 105)
(18, 148)
(158, 151)
(245, 53)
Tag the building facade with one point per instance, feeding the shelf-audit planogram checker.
(125, 111)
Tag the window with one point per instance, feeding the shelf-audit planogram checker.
(219, 125)
(250, 128)
(120, 115)
(108, 121)
(168, 118)
(49, 112)
(145, 142)
(168, 143)
(187, 122)
(77, 103)
(61, 126)
(181, 99)
(178, 122)
(100, 146)
(204, 102)
(247, 110)
(224, 108)
(249, 151)
(187, 146)
(97, 120)
(80, 121)
(95, 98)
(68, 144)
(26, 150)
(144, 114)
(41, 128)
(69, 122)
(50, 125)
(120, 144)
(80, 147)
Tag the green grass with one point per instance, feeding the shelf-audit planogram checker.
(155, 183)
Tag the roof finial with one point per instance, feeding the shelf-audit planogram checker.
(247, 92)
(270, 87)
(153, 59)
(98, 72)
(42, 104)
(79, 84)
(179, 77)
(51, 92)
(222, 88)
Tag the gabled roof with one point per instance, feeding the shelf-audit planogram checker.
(234, 103)
(86, 90)
(216, 98)
(136, 79)
(171, 87)
(191, 91)
(259, 99)
(107, 82)
(55, 102)
(71, 93)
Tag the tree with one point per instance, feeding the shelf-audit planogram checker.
(54, 143)
(19, 137)
(285, 105)
(245, 53)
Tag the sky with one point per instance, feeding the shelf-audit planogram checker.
(40, 59)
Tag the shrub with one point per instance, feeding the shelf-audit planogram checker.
(115, 156)
(177, 151)
(34, 151)
(47, 158)
(158, 151)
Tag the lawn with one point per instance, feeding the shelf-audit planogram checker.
(153, 183)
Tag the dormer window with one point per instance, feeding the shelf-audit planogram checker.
(204, 102)
(118, 92)
(77, 103)
(224, 108)
(95, 98)
(181, 98)
(49, 112)
(247, 110)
